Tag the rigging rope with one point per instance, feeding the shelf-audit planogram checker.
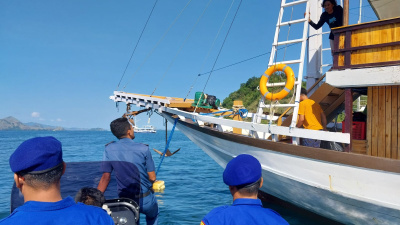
(137, 43)
(181, 47)
(220, 50)
(241, 112)
(167, 145)
(209, 50)
(159, 41)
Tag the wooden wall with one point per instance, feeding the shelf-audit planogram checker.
(374, 36)
(369, 43)
(383, 123)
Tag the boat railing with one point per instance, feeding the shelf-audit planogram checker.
(257, 130)
(369, 44)
(268, 130)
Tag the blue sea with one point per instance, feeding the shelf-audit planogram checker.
(193, 180)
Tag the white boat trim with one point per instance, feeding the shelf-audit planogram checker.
(388, 75)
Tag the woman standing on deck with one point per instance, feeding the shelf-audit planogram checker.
(333, 16)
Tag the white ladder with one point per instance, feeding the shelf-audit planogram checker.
(299, 61)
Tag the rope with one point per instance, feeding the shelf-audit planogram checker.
(181, 47)
(167, 145)
(137, 43)
(220, 50)
(241, 112)
(209, 50)
(159, 41)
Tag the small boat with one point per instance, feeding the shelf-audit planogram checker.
(145, 129)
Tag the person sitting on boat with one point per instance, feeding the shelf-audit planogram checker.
(243, 176)
(38, 166)
(333, 16)
(134, 169)
(311, 116)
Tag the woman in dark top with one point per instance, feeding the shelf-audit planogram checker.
(333, 16)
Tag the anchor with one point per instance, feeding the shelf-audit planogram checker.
(168, 152)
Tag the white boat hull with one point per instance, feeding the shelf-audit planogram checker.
(345, 193)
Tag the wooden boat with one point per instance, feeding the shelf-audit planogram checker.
(357, 186)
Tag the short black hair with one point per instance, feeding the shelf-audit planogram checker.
(333, 2)
(119, 127)
(90, 196)
(44, 180)
(303, 91)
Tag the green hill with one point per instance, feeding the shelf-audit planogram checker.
(250, 95)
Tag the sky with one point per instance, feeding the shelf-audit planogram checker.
(60, 61)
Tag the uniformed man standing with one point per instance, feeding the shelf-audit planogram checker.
(243, 176)
(134, 169)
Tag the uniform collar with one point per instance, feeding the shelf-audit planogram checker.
(125, 139)
(247, 201)
(34, 206)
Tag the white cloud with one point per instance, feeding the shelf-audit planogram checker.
(35, 115)
(59, 120)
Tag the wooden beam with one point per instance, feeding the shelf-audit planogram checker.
(369, 121)
(394, 120)
(345, 12)
(398, 123)
(349, 116)
(381, 122)
(388, 120)
(375, 121)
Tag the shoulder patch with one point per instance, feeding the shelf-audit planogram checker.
(110, 142)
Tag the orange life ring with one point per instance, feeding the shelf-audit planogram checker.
(289, 82)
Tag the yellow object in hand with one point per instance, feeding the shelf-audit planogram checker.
(159, 185)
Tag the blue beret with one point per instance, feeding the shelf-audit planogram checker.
(244, 169)
(36, 155)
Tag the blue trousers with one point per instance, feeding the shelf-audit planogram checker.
(149, 207)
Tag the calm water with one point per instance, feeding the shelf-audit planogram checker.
(193, 180)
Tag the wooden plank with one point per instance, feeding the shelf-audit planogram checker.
(395, 121)
(335, 104)
(359, 146)
(369, 120)
(375, 121)
(341, 46)
(398, 123)
(348, 108)
(388, 120)
(381, 122)
(321, 92)
(180, 104)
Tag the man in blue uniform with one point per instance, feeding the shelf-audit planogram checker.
(38, 166)
(134, 169)
(243, 176)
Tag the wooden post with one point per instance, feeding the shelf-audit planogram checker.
(348, 108)
(345, 12)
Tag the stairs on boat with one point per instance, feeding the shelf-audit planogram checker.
(331, 100)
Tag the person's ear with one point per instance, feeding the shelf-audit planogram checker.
(261, 183)
(19, 180)
(64, 167)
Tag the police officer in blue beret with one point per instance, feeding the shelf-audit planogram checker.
(38, 166)
(243, 176)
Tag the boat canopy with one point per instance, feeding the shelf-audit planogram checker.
(385, 9)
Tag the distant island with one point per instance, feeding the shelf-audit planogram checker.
(11, 123)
